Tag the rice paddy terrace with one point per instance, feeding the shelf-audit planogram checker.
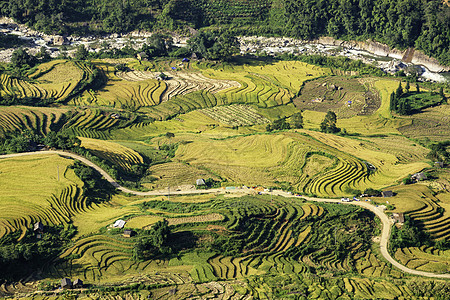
(208, 120)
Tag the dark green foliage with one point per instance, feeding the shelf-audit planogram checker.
(95, 188)
(407, 180)
(440, 152)
(297, 120)
(413, 102)
(372, 192)
(408, 23)
(214, 46)
(81, 53)
(19, 142)
(61, 140)
(153, 242)
(409, 235)
(10, 41)
(170, 135)
(20, 259)
(158, 45)
(279, 124)
(328, 124)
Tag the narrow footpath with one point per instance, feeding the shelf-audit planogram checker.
(385, 234)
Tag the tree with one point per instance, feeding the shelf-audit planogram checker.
(399, 91)
(81, 53)
(211, 45)
(154, 242)
(328, 124)
(417, 88)
(297, 120)
(442, 95)
(20, 59)
(407, 87)
(170, 135)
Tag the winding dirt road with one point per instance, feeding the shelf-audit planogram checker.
(385, 234)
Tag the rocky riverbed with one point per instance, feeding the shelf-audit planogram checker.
(389, 60)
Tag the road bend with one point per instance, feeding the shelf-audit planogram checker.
(385, 233)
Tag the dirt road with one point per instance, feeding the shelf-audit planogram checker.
(385, 234)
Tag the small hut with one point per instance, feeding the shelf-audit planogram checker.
(387, 194)
(38, 227)
(419, 176)
(66, 283)
(200, 181)
(439, 164)
(78, 283)
(119, 224)
(398, 218)
(128, 233)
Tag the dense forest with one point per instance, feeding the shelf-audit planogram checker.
(424, 24)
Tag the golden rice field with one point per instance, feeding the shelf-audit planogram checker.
(55, 79)
(116, 154)
(181, 83)
(265, 159)
(40, 119)
(38, 188)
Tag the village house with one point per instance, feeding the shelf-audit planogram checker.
(66, 283)
(78, 283)
(128, 233)
(38, 227)
(119, 224)
(398, 218)
(387, 194)
(419, 176)
(200, 181)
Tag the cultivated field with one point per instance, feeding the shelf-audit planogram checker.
(209, 121)
(57, 80)
(347, 97)
(38, 188)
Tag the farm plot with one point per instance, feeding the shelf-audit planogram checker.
(424, 258)
(381, 121)
(432, 123)
(284, 157)
(145, 222)
(265, 85)
(235, 115)
(57, 81)
(345, 96)
(181, 83)
(39, 120)
(175, 174)
(122, 94)
(38, 188)
(116, 154)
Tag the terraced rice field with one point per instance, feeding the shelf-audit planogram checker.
(235, 115)
(116, 154)
(424, 258)
(57, 81)
(39, 120)
(254, 159)
(181, 83)
(432, 123)
(38, 188)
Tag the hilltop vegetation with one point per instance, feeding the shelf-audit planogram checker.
(409, 23)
